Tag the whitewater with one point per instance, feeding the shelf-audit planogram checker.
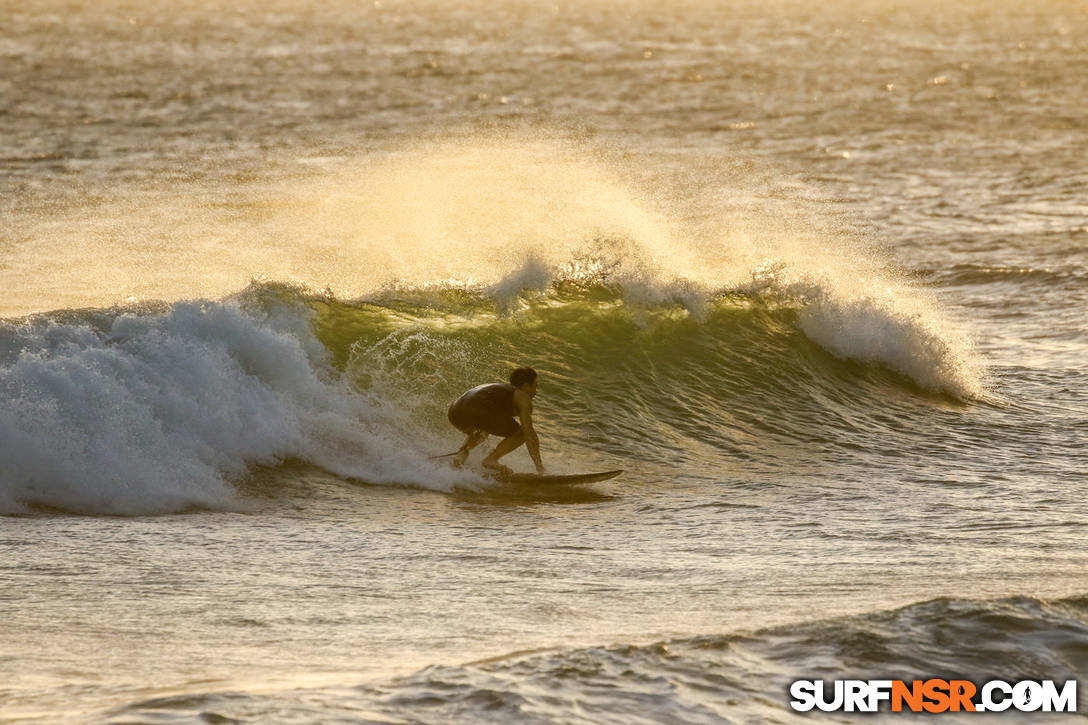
(816, 282)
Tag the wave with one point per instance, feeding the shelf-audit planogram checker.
(163, 408)
(667, 317)
(740, 677)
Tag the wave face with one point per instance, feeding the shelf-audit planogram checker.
(162, 408)
(709, 679)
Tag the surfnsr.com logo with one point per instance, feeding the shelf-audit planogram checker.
(933, 695)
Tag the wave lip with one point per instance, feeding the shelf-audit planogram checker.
(901, 332)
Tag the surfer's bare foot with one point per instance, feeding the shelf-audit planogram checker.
(459, 459)
(497, 467)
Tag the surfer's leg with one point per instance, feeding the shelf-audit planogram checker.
(505, 446)
(474, 439)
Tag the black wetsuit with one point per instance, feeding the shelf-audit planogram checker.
(486, 407)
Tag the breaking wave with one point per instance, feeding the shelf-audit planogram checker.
(162, 408)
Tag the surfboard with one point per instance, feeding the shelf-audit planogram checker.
(548, 479)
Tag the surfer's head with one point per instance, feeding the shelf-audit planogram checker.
(524, 376)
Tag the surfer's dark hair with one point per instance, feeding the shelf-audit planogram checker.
(521, 376)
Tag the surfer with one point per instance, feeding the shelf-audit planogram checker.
(490, 410)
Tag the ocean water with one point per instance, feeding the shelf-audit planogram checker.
(816, 277)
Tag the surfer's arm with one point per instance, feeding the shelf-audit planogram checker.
(532, 443)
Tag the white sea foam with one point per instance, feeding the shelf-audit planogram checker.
(159, 413)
